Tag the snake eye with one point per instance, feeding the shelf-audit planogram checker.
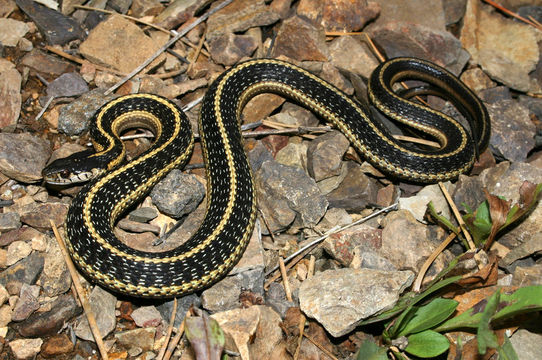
(64, 174)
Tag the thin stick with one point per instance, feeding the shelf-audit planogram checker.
(334, 231)
(319, 346)
(421, 274)
(80, 293)
(82, 61)
(511, 13)
(166, 45)
(169, 331)
(197, 52)
(285, 280)
(173, 343)
(84, 7)
(457, 215)
(267, 226)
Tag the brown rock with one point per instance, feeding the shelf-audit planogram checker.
(260, 107)
(23, 156)
(348, 53)
(142, 8)
(229, 48)
(178, 12)
(120, 44)
(46, 64)
(43, 213)
(339, 15)
(427, 13)
(56, 345)
(10, 94)
(301, 40)
(240, 15)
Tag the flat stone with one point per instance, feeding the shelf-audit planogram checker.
(178, 12)
(46, 63)
(42, 215)
(103, 306)
(339, 15)
(27, 303)
(300, 40)
(127, 45)
(239, 16)
(23, 156)
(25, 349)
(527, 276)
(348, 53)
(16, 251)
(46, 323)
(506, 49)
(55, 278)
(56, 345)
(512, 131)
(413, 39)
(340, 299)
(229, 48)
(178, 194)
(75, 117)
(11, 31)
(142, 338)
(183, 304)
(146, 316)
(528, 345)
(10, 94)
(57, 28)
(340, 246)
(324, 155)
(141, 8)
(66, 85)
(25, 271)
(417, 204)
(9, 221)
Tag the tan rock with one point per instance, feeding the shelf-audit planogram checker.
(120, 44)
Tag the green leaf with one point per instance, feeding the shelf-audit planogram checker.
(427, 344)
(410, 299)
(205, 336)
(443, 220)
(428, 316)
(485, 337)
(507, 351)
(523, 300)
(479, 223)
(370, 351)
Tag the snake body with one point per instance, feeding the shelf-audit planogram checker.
(231, 211)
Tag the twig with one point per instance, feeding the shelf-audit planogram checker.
(267, 225)
(197, 52)
(285, 280)
(45, 107)
(319, 346)
(175, 341)
(82, 61)
(331, 232)
(166, 45)
(421, 274)
(84, 7)
(511, 13)
(81, 293)
(169, 331)
(457, 216)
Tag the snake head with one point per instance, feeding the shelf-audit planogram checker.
(77, 168)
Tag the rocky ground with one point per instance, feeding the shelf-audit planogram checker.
(60, 63)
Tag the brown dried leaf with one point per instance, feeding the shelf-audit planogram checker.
(498, 209)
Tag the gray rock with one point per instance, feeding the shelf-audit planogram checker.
(348, 53)
(66, 85)
(340, 246)
(512, 131)
(17, 250)
(285, 192)
(146, 316)
(9, 221)
(102, 304)
(75, 117)
(355, 192)
(223, 295)
(527, 276)
(340, 299)
(55, 278)
(468, 191)
(27, 303)
(417, 204)
(428, 13)
(11, 31)
(23, 156)
(528, 345)
(324, 155)
(43, 323)
(183, 304)
(143, 214)
(25, 348)
(178, 194)
(57, 28)
(25, 271)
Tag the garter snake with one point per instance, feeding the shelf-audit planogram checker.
(221, 239)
